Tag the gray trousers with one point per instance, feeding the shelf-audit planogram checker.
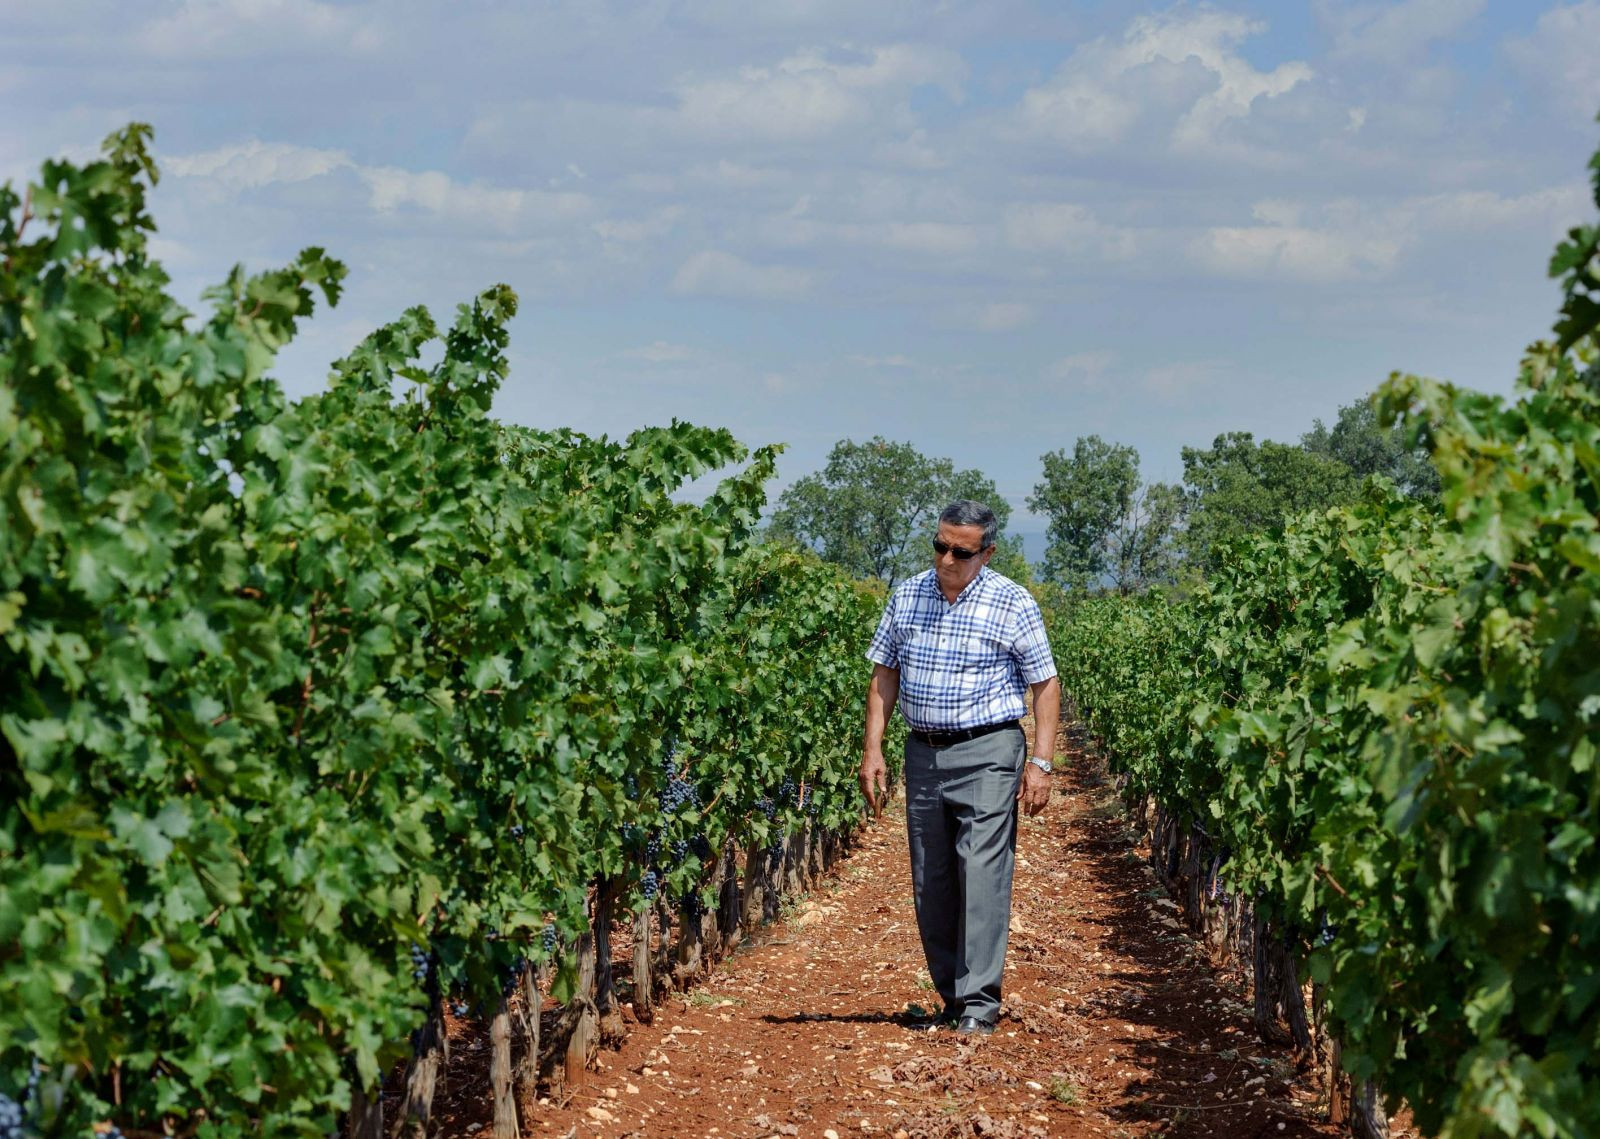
(961, 820)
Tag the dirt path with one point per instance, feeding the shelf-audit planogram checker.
(1113, 1024)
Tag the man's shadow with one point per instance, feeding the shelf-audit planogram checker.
(904, 1019)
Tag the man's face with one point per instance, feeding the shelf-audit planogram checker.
(953, 573)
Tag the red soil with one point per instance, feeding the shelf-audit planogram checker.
(1114, 1022)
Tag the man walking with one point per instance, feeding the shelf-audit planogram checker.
(956, 647)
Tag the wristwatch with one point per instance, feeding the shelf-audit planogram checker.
(1041, 763)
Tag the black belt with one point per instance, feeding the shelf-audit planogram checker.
(961, 736)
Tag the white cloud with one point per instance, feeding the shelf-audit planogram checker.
(661, 352)
(255, 165)
(435, 192)
(1004, 316)
(1351, 240)
(793, 229)
(1183, 62)
(207, 29)
(1560, 55)
(930, 237)
(914, 152)
(712, 272)
(809, 94)
(1170, 381)
(634, 231)
(1549, 211)
(1279, 250)
(1395, 34)
(252, 164)
(1065, 228)
(726, 175)
(1085, 369)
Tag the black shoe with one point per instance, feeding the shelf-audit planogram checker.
(972, 1026)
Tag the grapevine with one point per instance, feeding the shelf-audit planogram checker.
(1386, 715)
(279, 674)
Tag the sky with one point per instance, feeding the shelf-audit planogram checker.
(984, 228)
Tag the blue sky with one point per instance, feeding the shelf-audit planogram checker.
(985, 228)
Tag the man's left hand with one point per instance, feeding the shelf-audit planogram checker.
(1034, 794)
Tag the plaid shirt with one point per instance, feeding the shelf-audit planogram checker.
(967, 664)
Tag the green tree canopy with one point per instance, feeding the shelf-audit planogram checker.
(1106, 527)
(1143, 542)
(1360, 441)
(1083, 495)
(1239, 487)
(874, 504)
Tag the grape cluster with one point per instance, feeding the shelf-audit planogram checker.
(419, 963)
(787, 791)
(677, 793)
(10, 1118)
(649, 885)
(768, 809)
(700, 847)
(513, 974)
(680, 851)
(517, 831)
(549, 939)
(459, 1008)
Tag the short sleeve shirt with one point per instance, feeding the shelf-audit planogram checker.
(963, 664)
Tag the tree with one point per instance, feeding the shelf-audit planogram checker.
(1240, 487)
(1143, 543)
(1359, 441)
(874, 504)
(1106, 527)
(1083, 494)
(1010, 559)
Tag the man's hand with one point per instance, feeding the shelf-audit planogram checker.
(882, 692)
(874, 781)
(1034, 794)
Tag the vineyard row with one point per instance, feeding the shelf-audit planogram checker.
(318, 714)
(1366, 748)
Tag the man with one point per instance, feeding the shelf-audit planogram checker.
(956, 648)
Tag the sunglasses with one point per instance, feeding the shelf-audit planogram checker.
(961, 555)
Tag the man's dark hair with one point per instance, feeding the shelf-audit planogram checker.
(970, 513)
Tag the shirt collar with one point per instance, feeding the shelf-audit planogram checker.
(984, 573)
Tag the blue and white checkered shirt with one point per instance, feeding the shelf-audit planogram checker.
(966, 664)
